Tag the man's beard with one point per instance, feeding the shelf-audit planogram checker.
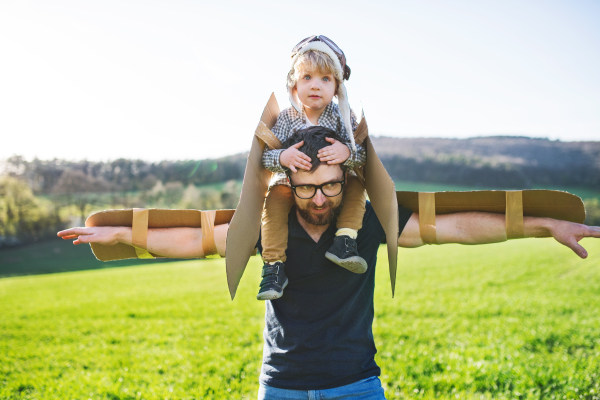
(320, 219)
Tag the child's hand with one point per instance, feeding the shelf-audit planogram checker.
(337, 153)
(293, 158)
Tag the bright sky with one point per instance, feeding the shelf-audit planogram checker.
(189, 79)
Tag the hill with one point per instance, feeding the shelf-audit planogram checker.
(487, 162)
(492, 162)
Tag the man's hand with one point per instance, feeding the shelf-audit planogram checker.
(483, 228)
(293, 158)
(107, 235)
(337, 153)
(168, 242)
(570, 233)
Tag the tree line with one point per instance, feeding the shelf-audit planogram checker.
(39, 197)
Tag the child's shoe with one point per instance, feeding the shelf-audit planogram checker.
(345, 254)
(273, 282)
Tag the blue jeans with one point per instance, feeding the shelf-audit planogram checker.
(367, 389)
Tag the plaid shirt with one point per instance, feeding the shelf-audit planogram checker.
(289, 121)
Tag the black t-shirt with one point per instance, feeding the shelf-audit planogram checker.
(318, 335)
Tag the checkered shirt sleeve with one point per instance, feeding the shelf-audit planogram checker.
(287, 120)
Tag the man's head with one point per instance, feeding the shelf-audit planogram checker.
(324, 206)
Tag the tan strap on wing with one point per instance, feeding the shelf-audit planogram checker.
(139, 233)
(207, 219)
(267, 136)
(427, 217)
(514, 214)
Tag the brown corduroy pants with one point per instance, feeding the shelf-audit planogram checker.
(279, 202)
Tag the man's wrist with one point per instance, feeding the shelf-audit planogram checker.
(538, 226)
(123, 234)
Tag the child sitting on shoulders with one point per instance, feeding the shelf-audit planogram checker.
(317, 75)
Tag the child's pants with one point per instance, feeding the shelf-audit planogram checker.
(279, 202)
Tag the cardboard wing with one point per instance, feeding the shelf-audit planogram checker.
(244, 229)
(515, 204)
(142, 219)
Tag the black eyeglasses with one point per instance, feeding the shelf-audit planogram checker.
(329, 189)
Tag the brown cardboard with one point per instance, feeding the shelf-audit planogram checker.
(245, 225)
(535, 203)
(157, 218)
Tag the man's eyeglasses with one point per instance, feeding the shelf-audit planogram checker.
(329, 189)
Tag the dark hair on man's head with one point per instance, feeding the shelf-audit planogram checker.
(314, 140)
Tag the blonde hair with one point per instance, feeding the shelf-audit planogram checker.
(312, 61)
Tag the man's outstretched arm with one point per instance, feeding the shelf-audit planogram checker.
(482, 228)
(167, 242)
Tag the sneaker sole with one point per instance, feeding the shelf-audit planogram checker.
(354, 264)
(272, 294)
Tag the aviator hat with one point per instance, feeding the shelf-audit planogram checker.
(342, 72)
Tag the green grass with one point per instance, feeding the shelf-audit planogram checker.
(56, 255)
(513, 320)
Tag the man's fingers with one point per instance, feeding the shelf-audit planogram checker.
(293, 168)
(298, 145)
(577, 248)
(330, 140)
(72, 231)
(336, 161)
(593, 231)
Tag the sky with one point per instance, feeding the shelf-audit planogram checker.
(176, 79)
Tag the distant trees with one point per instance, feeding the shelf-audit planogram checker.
(22, 215)
(127, 175)
(80, 190)
(592, 210)
(37, 194)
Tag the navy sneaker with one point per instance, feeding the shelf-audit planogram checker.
(345, 254)
(273, 282)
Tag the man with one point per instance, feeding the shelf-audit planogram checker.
(318, 335)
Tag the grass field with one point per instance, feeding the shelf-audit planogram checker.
(56, 255)
(515, 320)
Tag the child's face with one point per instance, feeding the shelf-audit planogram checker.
(316, 89)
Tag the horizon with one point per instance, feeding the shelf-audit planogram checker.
(108, 160)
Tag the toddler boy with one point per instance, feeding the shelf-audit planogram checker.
(317, 75)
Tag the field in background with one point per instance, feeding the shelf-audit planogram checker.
(56, 255)
(513, 320)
